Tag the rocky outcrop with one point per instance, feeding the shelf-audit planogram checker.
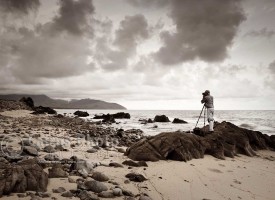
(179, 121)
(28, 101)
(12, 105)
(44, 110)
(228, 140)
(26, 175)
(161, 118)
(111, 117)
(81, 113)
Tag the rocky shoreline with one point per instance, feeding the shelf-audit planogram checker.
(57, 157)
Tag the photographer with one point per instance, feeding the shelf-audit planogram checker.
(208, 101)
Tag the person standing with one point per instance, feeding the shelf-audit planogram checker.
(208, 101)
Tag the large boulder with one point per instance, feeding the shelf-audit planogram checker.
(28, 101)
(81, 113)
(44, 110)
(228, 140)
(122, 115)
(179, 121)
(26, 175)
(161, 118)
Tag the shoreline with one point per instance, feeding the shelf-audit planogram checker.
(241, 177)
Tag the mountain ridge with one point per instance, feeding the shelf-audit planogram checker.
(44, 100)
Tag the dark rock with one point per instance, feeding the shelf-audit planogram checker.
(26, 175)
(106, 194)
(161, 118)
(85, 195)
(44, 110)
(150, 120)
(67, 194)
(30, 151)
(95, 186)
(227, 140)
(92, 150)
(49, 149)
(28, 101)
(179, 121)
(114, 164)
(122, 115)
(57, 172)
(135, 177)
(59, 190)
(51, 157)
(81, 113)
(130, 163)
(127, 192)
(98, 176)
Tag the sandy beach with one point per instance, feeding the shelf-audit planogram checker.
(241, 177)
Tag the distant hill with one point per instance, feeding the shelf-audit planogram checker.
(43, 100)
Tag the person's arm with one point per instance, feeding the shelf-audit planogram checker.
(203, 99)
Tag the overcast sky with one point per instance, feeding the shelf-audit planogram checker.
(143, 54)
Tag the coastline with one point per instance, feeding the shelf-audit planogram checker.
(241, 177)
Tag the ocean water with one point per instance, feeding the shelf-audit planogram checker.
(263, 121)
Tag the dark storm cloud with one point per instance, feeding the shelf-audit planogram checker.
(74, 16)
(204, 29)
(33, 54)
(132, 30)
(261, 33)
(19, 6)
(148, 3)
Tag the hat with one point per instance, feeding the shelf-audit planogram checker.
(206, 92)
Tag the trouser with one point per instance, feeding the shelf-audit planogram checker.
(210, 118)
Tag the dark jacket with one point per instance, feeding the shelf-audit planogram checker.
(208, 101)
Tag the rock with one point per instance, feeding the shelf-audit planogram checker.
(85, 195)
(67, 194)
(49, 149)
(80, 164)
(135, 177)
(179, 121)
(122, 115)
(30, 150)
(26, 175)
(121, 150)
(44, 110)
(81, 113)
(117, 192)
(59, 147)
(21, 195)
(127, 192)
(51, 157)
(227, 140)
(130, 163)
(106, 194)
(114, 164)
(98, 176)
(59, 190)
(95, 186)
(144, 197)
(71, 180)
(161, 118)
(57, 172)
(150, 120)
(92, 150)
(28, 101)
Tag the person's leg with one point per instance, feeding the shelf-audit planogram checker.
(210, 118)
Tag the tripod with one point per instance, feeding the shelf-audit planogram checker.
(200, 117)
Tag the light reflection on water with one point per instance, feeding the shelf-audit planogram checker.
(263, 121)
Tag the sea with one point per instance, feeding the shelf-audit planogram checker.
(258, 120)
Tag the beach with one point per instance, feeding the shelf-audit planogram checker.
(241, 177)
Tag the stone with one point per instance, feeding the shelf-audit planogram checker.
(117, 192)
(51, 157)
(43, 110)
(92, 150)
(59, 190)
(98, 176)
(179, 121)
(67, 194)
(130, 163)
(228, 140)
(161, 118)
(59, 147)
(57, 172)
(25, 175)
(85, 195)
(144, 197)
(49, 149)
(95, 186)
(106, 194)
(127, 192)
(81, 113)
(30, 151)
(135, 177)
(114, 164)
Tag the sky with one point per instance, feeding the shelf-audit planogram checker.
(143, 54)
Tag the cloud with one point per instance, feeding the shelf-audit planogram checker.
(272, 67)
(261, 33)
(114, 54)
(74, 16)
(204, 30)
(19, 6)
(147, 4)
